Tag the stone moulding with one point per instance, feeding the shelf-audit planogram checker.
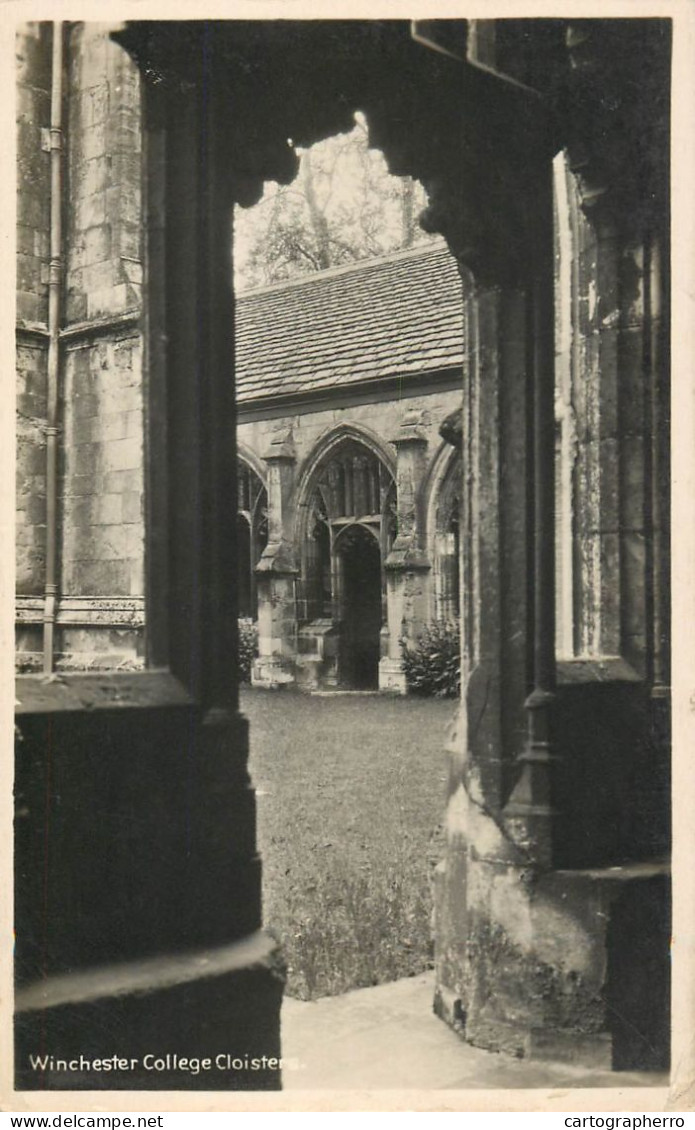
(85, 611)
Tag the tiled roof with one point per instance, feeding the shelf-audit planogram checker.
(394, 316)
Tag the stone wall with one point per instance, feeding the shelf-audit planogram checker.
(557, 835)
(30, 537)
(33, 108)
(101, 472)
(33, 114)
(104, 267)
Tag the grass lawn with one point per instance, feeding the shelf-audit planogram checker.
(350, 796)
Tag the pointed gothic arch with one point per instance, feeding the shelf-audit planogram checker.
(327, 443)
(347, 499)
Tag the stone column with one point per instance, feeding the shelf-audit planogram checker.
(277, 571)
(491, 918)
(407, 565)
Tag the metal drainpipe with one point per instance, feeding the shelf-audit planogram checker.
(55, 271)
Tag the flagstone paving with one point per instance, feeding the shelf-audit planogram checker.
(387, 1037)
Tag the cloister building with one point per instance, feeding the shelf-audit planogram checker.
(348, 523)
(343, 382)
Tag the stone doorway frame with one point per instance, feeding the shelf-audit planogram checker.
(200, 160)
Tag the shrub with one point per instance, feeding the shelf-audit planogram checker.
(248, 649)
(433, 664)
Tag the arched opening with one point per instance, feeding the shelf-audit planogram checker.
(348, 530)
(319, 586)
(342, 917)
(358, 560)
(252, 537)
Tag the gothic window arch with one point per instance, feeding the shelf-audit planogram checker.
(252, 536)
(447, 544)
(350, 487)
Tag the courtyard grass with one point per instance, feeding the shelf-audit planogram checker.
(350, 799)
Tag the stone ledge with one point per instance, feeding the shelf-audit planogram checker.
(150, 1019)
(98, 690)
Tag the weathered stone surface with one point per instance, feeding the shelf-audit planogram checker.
(33, 164)
(105, 177)
(31, 468)
(103, 477)
(101, 472)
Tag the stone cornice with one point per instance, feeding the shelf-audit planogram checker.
(78, 331)
(97, 327)
(311, 400)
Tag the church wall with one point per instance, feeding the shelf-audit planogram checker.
(101, 479)
(30, 537)
(33, 107)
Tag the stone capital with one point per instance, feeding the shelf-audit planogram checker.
(410, 431)
(406, 554)
(277, 558)
(281, 446)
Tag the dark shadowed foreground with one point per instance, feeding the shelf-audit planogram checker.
(350, 796)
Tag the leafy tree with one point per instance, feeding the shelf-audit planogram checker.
(343, 206)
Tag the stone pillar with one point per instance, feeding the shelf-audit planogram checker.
(276, 572)
(149, 769)
(530, 810)
(493, 916)
(536, 956)
(407, 565)
(492, 432)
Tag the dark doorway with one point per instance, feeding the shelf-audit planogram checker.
(360, 569)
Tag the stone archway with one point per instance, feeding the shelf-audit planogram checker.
(345, 533)
(252, 536)
(358, 558)
(511, 919)
(444, 532)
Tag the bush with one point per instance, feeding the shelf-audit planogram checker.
(433, 665)
(248, 649)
